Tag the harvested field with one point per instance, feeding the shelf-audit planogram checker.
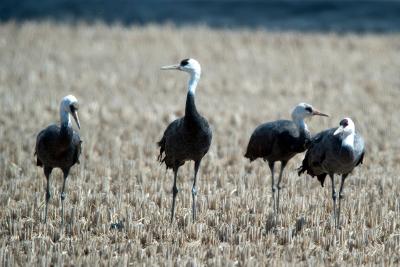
(249, 77)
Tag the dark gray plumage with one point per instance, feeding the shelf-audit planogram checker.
(59, 147)
(187, 138)
(334, 151)
(280, 141)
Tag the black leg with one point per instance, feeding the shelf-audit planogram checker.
(194, 190)
(340, 197)
(333, 197)
(283, 165)
(174, 193)
(63, 195)
(271, 167)
(47, 172)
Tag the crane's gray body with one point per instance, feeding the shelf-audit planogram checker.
(58, 147)
(327, 155)
(277, 141)
(186, 138)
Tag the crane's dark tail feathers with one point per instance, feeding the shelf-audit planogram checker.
(161, 144)
(321, 178)
(38, 161)
(306, 168)
(361, 159)
(301, 170)
(250, 155)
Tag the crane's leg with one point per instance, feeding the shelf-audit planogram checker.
(47, 172)
(66, 171)
(174, 193)
(194, 190)
(340, 197)
(283, 165)
(333, 197)
(271, 167)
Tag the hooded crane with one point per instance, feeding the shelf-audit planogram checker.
(59, 147)
(186, 138)
(280, 141)
(336, 150)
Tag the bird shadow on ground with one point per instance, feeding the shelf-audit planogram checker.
(300, 223)
(119, 225)
(271, 225)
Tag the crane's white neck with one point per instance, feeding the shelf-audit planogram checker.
(348, 140)
(300, 123)
(65, 118)
(194, 80)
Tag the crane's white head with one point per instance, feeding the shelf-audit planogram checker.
(69, 105)
(189, 65)
(346, 127)
(304, 110)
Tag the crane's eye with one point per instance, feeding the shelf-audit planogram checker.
(73, 107)
(184, 62)
(344, 123)
(308, 109)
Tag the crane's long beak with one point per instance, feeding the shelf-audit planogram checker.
(76, 118)
(171, 67)
(319, 113)
(339, 130)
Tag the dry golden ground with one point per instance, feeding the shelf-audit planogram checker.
(249, 77)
